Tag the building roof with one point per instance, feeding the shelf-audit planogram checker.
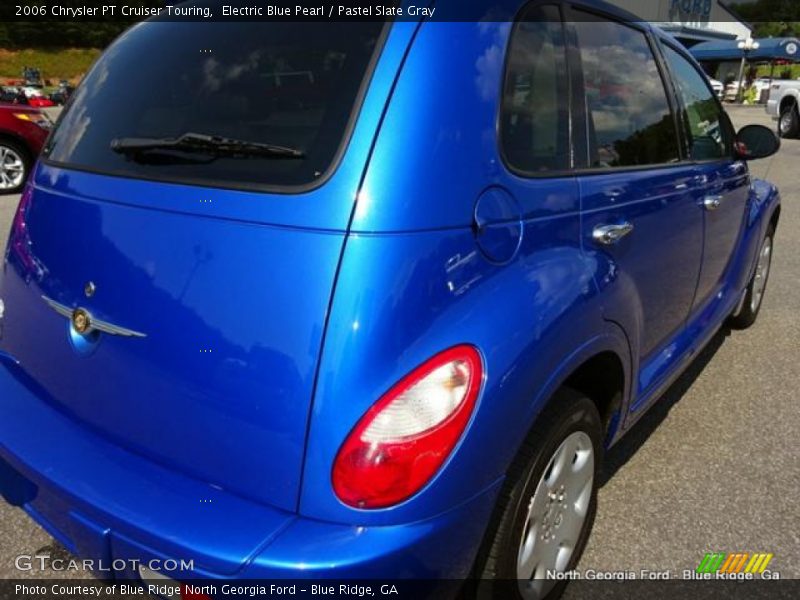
(768, 49)
(696, 34)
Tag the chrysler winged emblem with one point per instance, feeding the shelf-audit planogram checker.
(84, 323)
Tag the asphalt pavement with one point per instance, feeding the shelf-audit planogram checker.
(715, 464)
(713, 467)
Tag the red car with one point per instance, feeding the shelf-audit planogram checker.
(23, 130)
(40, 102)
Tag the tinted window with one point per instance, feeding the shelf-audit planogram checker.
(629, 117)
(293, 85)
(706, 127)
(534, 125)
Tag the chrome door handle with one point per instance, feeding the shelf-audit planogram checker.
(712, 202)
(611, 234)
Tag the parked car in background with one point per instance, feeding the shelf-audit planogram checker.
(718, 87)
(36, 98)
(283, 335)
(23, 131)
(783, 103)
(731, 92)
(761, 85)
(754, 93)
(39, 102)
(62, 94)
(8, 94)
(25, 96)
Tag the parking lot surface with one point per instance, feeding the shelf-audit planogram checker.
(714, 466)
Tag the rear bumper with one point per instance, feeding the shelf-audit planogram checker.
(118, 509)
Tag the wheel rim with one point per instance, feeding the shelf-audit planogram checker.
(762, 273)
(786, 122)
(556, 515)
(12, 169)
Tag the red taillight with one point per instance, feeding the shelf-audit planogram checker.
(400, 443)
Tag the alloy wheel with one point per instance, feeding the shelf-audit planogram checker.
(762, 274)
(556, 515)
(12, 168)
(786, 123)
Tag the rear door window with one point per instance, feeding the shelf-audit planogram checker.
(710, 137)
(534, 122)
(296, 86)
(629, 119)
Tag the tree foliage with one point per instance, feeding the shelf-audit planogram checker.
(771, 18)
(28, 34)
(74, 33)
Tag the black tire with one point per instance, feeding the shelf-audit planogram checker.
(496, 566)
(789, 122)
(22, 153)
(750, 308)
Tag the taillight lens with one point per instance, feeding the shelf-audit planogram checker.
(400, 443)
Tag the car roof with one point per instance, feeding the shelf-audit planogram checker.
(487, 7)
(624, 15)
(611, 9)
(456, 9)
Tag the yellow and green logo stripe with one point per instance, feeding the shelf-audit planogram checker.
(734, 562)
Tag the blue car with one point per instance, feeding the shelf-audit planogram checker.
(366, 299)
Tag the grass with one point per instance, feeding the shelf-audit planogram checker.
(54, 63)
(763, 71)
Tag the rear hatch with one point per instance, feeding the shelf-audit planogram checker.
(205, 270)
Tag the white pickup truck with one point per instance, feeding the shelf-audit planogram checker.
(784, 106)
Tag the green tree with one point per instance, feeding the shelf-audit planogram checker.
(95, 33)
(771, 18)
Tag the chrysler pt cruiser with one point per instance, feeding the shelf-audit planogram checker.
(366, 299)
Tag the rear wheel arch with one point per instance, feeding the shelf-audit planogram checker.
(788, 100)
(789, 117)
(9, 136)
(602, 378)
(498, 546)
(600, 370)
(21, 144)
(776, 215)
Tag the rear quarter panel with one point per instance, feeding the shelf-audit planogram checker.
(413, 282)
(765, 200)
(402, 298)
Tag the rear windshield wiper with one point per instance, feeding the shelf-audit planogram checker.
(208, 144)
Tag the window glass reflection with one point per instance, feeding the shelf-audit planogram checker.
(534, 125)
(629, 118)
(703, 119)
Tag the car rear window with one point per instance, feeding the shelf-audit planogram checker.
(534, 123)
(291, 85)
